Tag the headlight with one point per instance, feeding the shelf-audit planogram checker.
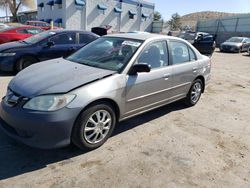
(49, 102)
(7, 54)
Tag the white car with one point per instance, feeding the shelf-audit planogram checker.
(3, 26)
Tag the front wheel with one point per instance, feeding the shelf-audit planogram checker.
(94, 126)
(24, 62)
(194, 93)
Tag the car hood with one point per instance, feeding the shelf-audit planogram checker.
(11, 45)
(55, 76)
(231, 44)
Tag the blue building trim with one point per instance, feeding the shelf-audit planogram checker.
(145, 15)
(117, 10)
(40, 5)
(133, 13)
(80, 3)
(102, 7)
(139, 3)
(51, 3)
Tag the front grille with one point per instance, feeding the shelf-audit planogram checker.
(12, 98)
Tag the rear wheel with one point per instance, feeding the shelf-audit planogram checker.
(24, 62)
(194, 93)
(94, 126)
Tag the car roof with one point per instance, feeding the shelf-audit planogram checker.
(140, 36)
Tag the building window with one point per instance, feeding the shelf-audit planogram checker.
(132, 14)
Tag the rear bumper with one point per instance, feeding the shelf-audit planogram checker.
(45, 130)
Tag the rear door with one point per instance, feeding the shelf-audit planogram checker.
(185, 67)
(147, 90)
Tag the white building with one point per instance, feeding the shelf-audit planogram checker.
(122, 15)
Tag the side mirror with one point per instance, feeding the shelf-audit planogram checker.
(50, 43)
(140, 67)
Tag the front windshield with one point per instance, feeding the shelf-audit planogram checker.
(235, 39)
(39, 37)
(110, 53)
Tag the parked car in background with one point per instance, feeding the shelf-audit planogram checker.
(248, 51)
(203, 42)
(81, 98)
(16, 56)
(3, 26)
(11, 34)
(235, 44)
(41, 24)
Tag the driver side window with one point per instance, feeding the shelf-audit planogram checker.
(155, 55)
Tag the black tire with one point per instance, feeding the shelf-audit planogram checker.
(189, 100)
(24, 62)
(79, 134)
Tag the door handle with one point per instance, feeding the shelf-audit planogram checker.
(166, 76)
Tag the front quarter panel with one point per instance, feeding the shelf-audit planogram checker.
(111, 88)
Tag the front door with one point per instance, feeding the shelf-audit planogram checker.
(64, 45)
(147, 90)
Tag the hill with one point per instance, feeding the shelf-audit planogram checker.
(191, 19)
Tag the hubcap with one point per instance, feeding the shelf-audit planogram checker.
(97, 126)
(196, 92)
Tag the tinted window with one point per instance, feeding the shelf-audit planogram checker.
(155, 55)
(179, 51)
(33, 31)
(22, 31)
(208, 39)
(85, 38)
(66, 38)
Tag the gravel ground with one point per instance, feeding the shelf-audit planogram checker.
(204, 146)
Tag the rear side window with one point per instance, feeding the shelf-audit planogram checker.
(179, 51)
(86, 38)
(65, 38)
(192, 54)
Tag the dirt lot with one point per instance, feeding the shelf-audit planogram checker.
(204, 146)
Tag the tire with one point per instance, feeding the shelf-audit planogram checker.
(194, 93)
(88, 133)
(24, 62)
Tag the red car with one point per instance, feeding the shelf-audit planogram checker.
(11, 34)
(41, 24)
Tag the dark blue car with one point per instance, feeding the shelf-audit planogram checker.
(15, 56)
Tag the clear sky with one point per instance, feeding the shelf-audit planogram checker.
(169, 7)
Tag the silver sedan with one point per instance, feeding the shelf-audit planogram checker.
(80, 99)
